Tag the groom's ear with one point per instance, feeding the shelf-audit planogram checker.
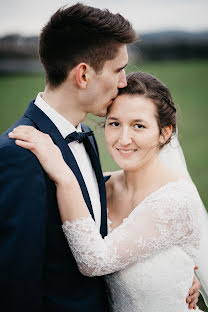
(165, 134)
(81, 75)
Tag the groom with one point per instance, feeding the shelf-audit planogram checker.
(83, 51)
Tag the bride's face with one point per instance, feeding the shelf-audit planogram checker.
(132, 132)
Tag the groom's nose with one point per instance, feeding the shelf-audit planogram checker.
(122, 79)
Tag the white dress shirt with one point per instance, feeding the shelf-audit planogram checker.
(79, 152)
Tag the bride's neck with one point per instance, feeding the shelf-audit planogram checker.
(143, 179)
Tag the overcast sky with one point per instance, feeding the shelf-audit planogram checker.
(28, 16)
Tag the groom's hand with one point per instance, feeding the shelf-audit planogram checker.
(192, 299)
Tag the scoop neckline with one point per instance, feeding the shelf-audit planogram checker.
(151, 194)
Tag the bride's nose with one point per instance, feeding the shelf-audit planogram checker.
(125, 137)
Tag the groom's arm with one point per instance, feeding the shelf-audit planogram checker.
(22, 230)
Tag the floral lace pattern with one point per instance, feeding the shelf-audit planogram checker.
(162, 229)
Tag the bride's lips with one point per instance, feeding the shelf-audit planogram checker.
(124, 152)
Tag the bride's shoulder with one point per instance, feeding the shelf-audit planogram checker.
(181, 192)
(182, 186)
(174, 185)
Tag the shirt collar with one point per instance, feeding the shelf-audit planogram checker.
(63, 125)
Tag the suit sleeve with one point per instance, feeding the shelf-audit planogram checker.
(23, 215)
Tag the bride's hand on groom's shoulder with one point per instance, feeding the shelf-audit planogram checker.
(48, 154)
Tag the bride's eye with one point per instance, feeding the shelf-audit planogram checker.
(139, 126)
(114, 124)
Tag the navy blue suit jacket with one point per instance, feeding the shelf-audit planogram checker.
(37, 269)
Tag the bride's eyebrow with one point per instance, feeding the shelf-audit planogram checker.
(134, 120)
(139, 120)
(113, 118)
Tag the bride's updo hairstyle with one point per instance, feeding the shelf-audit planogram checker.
(150, 87)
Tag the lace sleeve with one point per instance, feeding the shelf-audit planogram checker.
(164, 219)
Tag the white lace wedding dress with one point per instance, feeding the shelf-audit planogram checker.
(149, 259)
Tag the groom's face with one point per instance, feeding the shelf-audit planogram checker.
(103, 86)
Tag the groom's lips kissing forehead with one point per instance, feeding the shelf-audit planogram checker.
(113, 98)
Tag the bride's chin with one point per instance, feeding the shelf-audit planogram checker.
(126, 166)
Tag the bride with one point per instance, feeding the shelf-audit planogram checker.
(149, 255)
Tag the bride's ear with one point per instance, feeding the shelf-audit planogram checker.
(165, 134)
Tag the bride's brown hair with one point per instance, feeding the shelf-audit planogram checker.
(139, 83)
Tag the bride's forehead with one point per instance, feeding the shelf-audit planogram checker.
(129, 100)
(128, 106)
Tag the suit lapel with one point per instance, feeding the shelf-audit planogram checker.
(89, 145)
(44, 124)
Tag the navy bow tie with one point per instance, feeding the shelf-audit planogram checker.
(77, 136)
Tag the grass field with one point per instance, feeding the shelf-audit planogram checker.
(188, 84)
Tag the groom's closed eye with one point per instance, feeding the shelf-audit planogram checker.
(120, 69)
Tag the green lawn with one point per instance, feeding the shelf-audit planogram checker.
(188, 84)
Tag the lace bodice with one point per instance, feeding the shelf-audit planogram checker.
(152, 253)
(168, 217)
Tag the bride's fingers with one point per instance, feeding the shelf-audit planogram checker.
(25, 128)
(28, 139)
(28, 131)
(24, 144)
(29, 134)
(20, 135)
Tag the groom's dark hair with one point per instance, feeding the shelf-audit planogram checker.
(78, 34)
